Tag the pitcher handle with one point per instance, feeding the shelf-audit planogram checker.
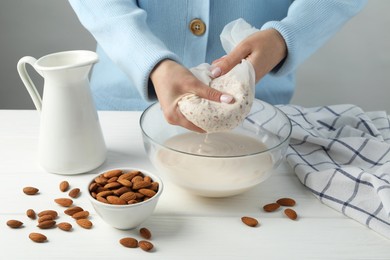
(28, 83)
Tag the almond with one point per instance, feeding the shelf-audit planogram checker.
(44, 218)
(112, 185)
(104, 193)
(121, 191)
(291, 214)
(271, 207)
(141, 184)
(125, 183)
(102, 199)
(154, 186)
(93, 186)
(13, 223)
(81, 214)
(30, 190)
(53, 213)
(128, 196)
(84, 223)
(139, 195)
(129, 175)
(112, 179)
(129, 242)
(249, 221)
(287, 202)
(145, 233)
(74, 193)
(147, 192)
(64, 186)
(31, 214)
(65, 202)
(137, 178)
(101, 180)
(100, 189)
(71, 211)
(112, 173)
(145, 245)
(65, 226)
(37, 237)
(115, 200)
(46, 224)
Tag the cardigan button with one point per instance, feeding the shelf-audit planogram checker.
(197, 27)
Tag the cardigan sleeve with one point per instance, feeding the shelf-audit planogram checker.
(308, 25)
(120, 28)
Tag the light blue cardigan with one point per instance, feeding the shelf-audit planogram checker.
(134, 36)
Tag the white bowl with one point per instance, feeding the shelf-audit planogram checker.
(127, 216)
(219, 164)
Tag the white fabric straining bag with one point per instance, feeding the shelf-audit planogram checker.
(239, 82)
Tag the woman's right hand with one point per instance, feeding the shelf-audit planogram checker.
(171, 82)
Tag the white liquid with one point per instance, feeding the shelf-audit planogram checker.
(226, 173)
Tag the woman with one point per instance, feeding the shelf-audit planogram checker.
(147, 46)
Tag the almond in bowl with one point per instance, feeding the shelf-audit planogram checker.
(124, 198)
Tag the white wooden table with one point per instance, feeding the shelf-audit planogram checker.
(183, 226)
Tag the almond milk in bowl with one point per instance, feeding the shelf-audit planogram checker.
(218, 164)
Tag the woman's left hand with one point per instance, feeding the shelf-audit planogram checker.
(264, 49)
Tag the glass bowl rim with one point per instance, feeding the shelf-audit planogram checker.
(286, 139)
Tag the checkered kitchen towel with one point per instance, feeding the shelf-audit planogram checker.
(342, 155)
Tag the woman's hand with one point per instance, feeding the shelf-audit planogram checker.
(264, 49)
(171, 82)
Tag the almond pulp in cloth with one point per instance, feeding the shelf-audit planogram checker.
(215, 116)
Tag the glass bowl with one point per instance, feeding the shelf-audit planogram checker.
(218, 164)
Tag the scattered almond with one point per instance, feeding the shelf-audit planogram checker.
(84, 223)
(30, 190)
(65, 226)
(13, 223)
(249, 221)
(46, 224)
(53, 213)
(37, 237)
(271, 207)
(31, 214)
(64, 186)
(291, 214)
(129, 242)
(44, 218)
(74, 193)
(145, 245)
(71, 211)
(65, 202)
(81, 215)
(145, 233)
(287, 202)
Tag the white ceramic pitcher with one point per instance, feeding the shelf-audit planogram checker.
(71, 140)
